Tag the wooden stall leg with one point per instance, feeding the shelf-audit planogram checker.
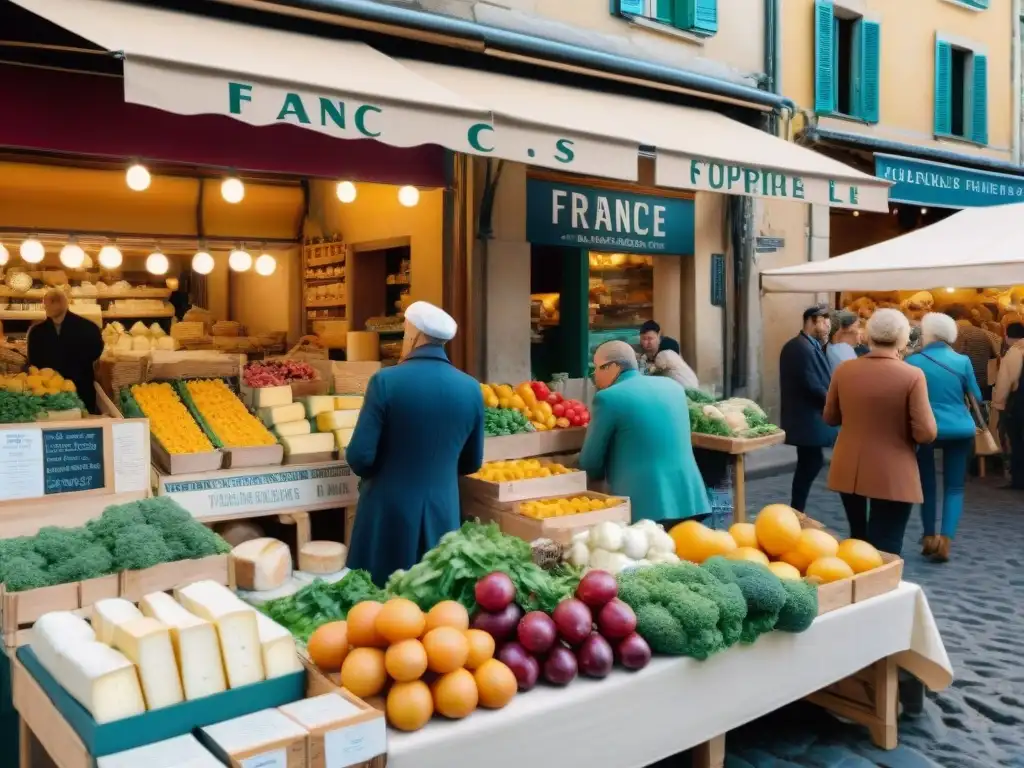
(710, 754)
(868, 698)
(739, 490)
(885, 731)
(303, 530)
(24, 744)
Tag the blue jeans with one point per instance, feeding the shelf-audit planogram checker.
(955, 455)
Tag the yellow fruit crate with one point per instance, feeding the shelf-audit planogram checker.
(506, 491)
(561, 529)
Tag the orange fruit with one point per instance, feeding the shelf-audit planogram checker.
(815, 543)
(778, 529)
(859, 555)
(481, 647)
(722, 543)
(744, 534)
(495, 684)
(362, 625)
(797, 560)
(400, 619)
(447, 649)
(694, 541)
(749, 554)
(410, 705)
(829, 569)
(363, 672)
(448, 613)
(328, 645)
(784, 570)
(406, 660)
(455, 694)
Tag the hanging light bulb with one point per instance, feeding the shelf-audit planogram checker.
(137, 177)
(202, 263)
(856, 214)
(4, 255)
(157, 263)
(924, 211)
(346, 191)
(265, 265)
(239, 260)
(951, 290)
(71, 255)
(408, 196)
(87, 262)
(232, 189)
(110, 257)
(32, 250)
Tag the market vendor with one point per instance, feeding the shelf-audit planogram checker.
(639, 440)
(67, 343)
(420, 428)
(651, 343)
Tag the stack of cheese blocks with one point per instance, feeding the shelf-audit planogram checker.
(265, 564)
(131, 659)
(335, 415)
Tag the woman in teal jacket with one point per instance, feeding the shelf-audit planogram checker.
(950, 377)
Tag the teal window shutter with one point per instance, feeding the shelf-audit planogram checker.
(663, 10)
(705, 17)
(628, 7)
(824, 58)
(979, 99)
(870, 68)
(943, 88)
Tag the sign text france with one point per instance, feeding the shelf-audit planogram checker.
(922, 182)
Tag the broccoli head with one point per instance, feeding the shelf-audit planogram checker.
(90, 562)
(107, 526)
(138, 547)
(190, 540)
(57, 545)
(21, 573)
(762, 590)
(801, 606)
(732, 607)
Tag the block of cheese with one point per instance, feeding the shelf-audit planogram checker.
(265, 738)
(292, 428)
(342, 437)
(99, 678)
(278, 647)
(281, 414)
(332, 420)
(236, 628)
(268, 397)
(340, 731)
(147, 644)
(196, 648)
(180, 752)
(322, 442)
(322, 557)
(348, 402)
(261, 564)
(108, 614)
(317, 404)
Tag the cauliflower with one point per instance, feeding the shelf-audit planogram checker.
(613, 562)
(578, 555)
(634, 544)
(606, 536)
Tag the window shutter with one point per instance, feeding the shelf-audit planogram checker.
(870, 69)
(824, 58)
(943, 88)
(663, 10)
(979, 99)
(630, 7)
(705, 17)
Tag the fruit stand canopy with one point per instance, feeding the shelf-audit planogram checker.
(192, 65)
(975, 248)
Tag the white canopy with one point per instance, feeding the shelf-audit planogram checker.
(975, 248)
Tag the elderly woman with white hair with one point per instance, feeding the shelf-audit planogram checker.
(950, 377)
(880, 404)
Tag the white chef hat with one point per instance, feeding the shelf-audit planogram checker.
(431, 320)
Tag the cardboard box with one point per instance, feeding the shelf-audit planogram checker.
(343, 730)
(253, 456)
(265, 738)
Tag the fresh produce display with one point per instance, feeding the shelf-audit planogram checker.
(519, 469)
(224, 417)
(542, 509)
(276, 373)
(38, 382)
(169, 420)
(614, 547)
(322, 602)
(505, 421)
(125, 537)
(542, 408)
(735, 417)
(18, 407)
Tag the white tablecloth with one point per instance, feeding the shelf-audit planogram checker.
(630, 720)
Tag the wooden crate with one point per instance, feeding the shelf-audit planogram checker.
(735, 445)
(134, 585)
(519, 490)
(509, 518)
(512, 446)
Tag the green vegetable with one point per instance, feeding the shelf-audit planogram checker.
(63, 401)
(698, 397)
(19, 407)
(732, 607)
(801, 608)
(505, 421)
(59, 544)
(141, 546)
(89, 562)
(21, 573)
(757, 424)
(707, 426)
(321, 602)
(761, 588)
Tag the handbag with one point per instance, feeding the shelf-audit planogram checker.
(985, 443)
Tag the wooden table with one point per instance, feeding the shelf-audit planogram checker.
(737, 448)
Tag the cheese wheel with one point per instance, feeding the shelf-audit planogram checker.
(322, 557)
(261, 564)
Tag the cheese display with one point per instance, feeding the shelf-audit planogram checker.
(282, 414)
(266, 397)
(333, 420)
(317, 404)
(342, 437)
(108, 614)
(348, 402)
(293, 428)
(236, 628)
(261, 564)
(147, 644)
(277, 647)
(262, 738)
(196, 647)
(303, 445)
(322, 557)
(180, 752)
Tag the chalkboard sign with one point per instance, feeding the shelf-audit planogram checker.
(73, 459)
(718, 279)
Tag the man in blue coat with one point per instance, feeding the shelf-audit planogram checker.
(421, 427)
(639, 439)
(804, 378)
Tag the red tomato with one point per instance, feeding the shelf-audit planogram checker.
(558, 409)
(570, 414)
(555, 398)
(575, 418)
(584, 419)
(540, 389)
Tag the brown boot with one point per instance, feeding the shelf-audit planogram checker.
(941, 554)
(929, 545)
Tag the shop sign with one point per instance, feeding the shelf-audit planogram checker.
(718, 279)
(73, 460)
(923, 182)
(769, 244)
(332, 485)
(607, 220)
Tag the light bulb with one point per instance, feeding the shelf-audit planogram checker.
(346, 191)
(924, 211)
(171, 283)
(202, 263)
(408, 196)
(157, 264)
(110, 257)
(72, 256)
(239, 260)
(856, 213)
(4, 255)
(265, 265)
(137, 178)
(32, 251)
(951, 290)
(232, 189)
(87, 262)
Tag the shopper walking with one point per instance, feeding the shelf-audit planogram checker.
(804, 375)
(1008, 399)
(881, 406)
(844, 337)
(950, 378)
(980, 346)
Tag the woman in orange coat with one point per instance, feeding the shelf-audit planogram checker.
(881, 406)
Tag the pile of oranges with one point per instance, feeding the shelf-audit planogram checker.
(424, 663)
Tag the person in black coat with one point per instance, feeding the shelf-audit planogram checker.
(67, 343)
(804, 378)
